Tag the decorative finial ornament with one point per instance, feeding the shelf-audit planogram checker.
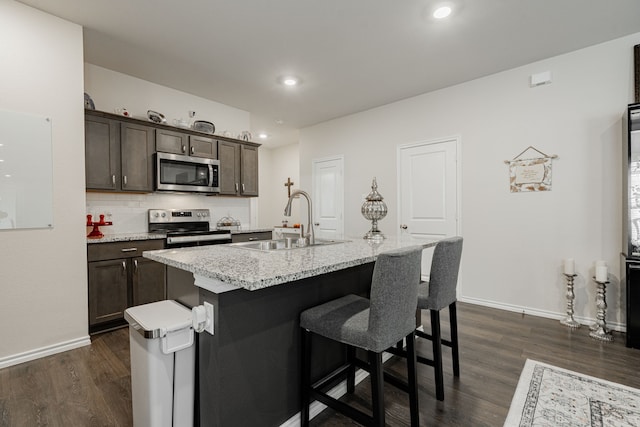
(374, 209)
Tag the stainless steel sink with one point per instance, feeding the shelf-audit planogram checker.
(281, 245)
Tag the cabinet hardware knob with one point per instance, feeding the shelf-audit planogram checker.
(404, 226)
(124, 179)
(129, 249)
(193, 150)
(243, 190)
(113, 179)
(251, 239)
(124, 266)
(236, 187)
(184, 148)
(317, 224)
(135, 266)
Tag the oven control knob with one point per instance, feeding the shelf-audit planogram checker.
(164, 214)
(156, 214)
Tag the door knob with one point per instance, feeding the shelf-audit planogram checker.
(403, 226)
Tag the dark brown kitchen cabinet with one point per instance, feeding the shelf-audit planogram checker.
(238, 169)
(136, 155)
(147, 277)
(102, 153)
(118, 155)
(119, 277)
(108, 287)
(168, 141)
(248, 170)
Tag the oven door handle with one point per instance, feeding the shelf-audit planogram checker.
(188, 239)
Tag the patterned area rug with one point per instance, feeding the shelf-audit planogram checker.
(550, 396)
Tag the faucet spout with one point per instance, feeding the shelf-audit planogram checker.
(287, 212)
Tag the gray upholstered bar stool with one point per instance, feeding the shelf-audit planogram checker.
(438, 293)
(374, 325)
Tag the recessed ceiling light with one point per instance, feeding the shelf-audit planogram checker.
(7, 176)
(290, 81)
(442, 12)
(263, 135)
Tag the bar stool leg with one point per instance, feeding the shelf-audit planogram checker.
(453, 321)
(305, 371)
(351, 371)
(437, 353)
(412, 380)
(377, 391)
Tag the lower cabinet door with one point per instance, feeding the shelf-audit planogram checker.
(149, 281)
(107, 290)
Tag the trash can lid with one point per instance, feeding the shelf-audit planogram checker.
(154, 320)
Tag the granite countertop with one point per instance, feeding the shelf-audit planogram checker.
(236, 267)
(126, 237)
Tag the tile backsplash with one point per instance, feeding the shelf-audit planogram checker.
(128, 212)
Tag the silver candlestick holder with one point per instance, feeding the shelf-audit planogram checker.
(599, 329)
(569, 320)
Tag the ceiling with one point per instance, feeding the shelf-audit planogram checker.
(351, 55)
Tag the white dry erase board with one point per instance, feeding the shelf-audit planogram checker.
(26, 172)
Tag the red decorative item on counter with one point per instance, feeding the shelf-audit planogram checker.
(96, 233)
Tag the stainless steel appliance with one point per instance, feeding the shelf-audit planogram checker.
(186, 227)
(175, 172)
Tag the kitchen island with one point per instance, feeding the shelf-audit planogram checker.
(248, 370)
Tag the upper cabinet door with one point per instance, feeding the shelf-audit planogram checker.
(171, 142)
(200, 146)
(136, 154)
(249, 170)
(229, 156)
(102, 153)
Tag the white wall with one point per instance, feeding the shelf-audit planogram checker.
(111, 90)
(276, 165)
(514, 243)
(43, 273)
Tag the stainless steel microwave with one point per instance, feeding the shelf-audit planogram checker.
(184, 173)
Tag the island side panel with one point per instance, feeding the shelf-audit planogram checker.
(249, 370)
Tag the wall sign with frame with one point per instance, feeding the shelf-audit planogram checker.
(531, 174)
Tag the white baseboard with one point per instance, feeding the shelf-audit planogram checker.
(44, 351)
(616, 326)
(336, 392)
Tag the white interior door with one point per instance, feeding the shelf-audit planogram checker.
(428, 193)
(328, 197)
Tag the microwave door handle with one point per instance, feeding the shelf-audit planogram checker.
(210, 175)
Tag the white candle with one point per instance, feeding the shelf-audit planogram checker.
(601, 273)
(569, 266)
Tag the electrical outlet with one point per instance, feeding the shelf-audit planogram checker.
(209, 310)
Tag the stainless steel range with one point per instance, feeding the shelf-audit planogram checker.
(186, 227)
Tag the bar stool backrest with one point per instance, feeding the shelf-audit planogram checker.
(394, 295)
(443, 277)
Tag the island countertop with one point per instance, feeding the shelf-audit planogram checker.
(228, 267)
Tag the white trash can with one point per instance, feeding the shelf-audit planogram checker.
(162, 364)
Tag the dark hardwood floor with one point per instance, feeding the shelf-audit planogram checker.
(90, 386)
